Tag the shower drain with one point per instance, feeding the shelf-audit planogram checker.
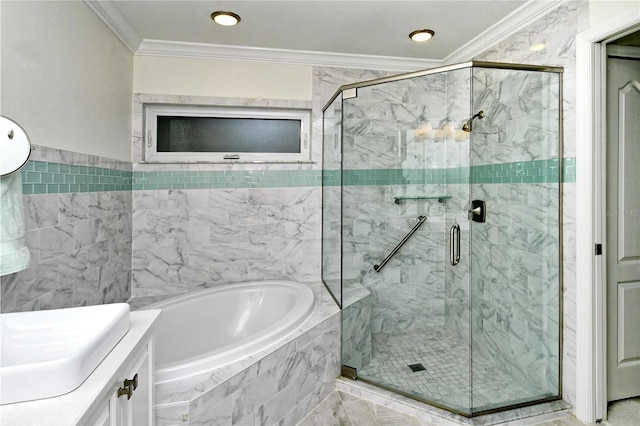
(416, 367)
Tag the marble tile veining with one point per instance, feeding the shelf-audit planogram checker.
(81, 274)
(435, 416)
(513, 162)
(79, 236)
(558, 28)
(346, 407)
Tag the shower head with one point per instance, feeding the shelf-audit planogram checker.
(467, 126)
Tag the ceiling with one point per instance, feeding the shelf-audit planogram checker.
(371, 28)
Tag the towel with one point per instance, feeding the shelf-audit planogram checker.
(14, 254)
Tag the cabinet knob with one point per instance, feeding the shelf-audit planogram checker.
(133, 382)
(128, 386)
(127, 390)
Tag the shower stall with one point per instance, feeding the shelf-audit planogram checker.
(441, 237)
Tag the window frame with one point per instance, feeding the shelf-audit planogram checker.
(152, 111)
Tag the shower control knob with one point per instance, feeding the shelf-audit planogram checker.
(478, 212)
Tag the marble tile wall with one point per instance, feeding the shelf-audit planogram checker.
(186, 239)
(327, 80)
(515, 261)
(399, 126)
(509, 267)
(413, 280)
(78, 230)
(557, 30)
(530, 271)
(332, 199)
(515, 283)
(456, 277)
(356, 325)
(372, 224)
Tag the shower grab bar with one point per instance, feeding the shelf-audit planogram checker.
(454, 244)
(379, 267)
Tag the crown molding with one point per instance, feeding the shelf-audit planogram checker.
(109, 13)
(298, 57)
(119, 25)
(507, 26)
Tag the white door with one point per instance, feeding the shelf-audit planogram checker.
(623, 228)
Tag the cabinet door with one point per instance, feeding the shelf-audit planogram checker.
(142, 401)
(107, 414)
(103, 417)
(138, 410)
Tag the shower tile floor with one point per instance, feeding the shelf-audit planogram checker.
(444, 380)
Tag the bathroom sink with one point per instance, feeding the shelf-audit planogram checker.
(50, 353)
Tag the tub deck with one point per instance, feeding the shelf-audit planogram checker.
(285, 381)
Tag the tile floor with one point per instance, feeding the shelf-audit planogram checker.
(624, 413)
(343, 409)
(620, 413)
(445, 378)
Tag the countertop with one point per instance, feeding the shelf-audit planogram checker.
(75, 407)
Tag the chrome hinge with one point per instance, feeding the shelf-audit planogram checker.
(349, 372)
(350, 93)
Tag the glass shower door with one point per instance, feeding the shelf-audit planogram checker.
(462, 314)
(332, 198)
(455, 360)
(456, 331)
(405, 183)
(516, 258)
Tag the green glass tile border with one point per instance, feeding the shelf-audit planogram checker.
(41, 177)
(215, 179)
(569, 169)
(537, 171)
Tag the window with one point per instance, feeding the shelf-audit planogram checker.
(194, 134)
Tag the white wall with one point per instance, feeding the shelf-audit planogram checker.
(603, 10)
(66, 78)
(223, 78)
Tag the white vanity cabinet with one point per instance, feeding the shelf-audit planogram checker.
(131, 398)
(103, 416)
(138, 409)
(96, 401)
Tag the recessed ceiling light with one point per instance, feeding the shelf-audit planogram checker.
(228, 19)
(421, 35)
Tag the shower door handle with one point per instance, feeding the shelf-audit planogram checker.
(454, 244)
